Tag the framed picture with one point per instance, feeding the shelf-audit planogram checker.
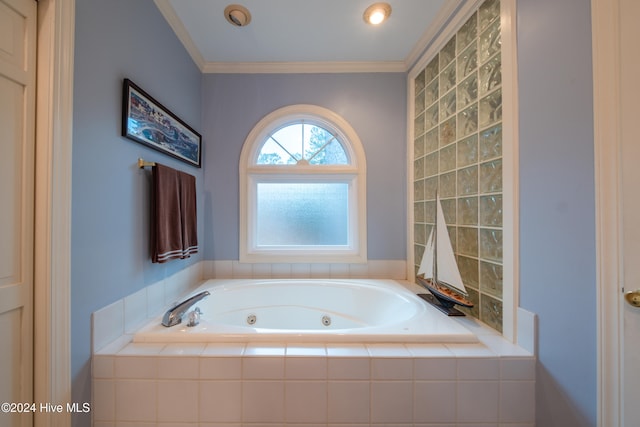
(148, 122)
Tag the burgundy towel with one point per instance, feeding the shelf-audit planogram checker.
(189, 224)
(174, 214)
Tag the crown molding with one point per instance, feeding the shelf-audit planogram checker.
(446, 13)
(303, 67)
(452, 16)
(178, 28)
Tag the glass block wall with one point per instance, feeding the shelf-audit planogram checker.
(458, 151)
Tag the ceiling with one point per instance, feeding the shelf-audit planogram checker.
(305, 35)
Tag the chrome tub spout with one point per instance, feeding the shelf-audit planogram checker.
(174, 315)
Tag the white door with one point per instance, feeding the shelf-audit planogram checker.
(630, 182)
(17, 129)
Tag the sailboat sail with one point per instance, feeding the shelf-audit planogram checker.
(444, 259)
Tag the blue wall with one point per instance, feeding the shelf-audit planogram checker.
(374, 105)
(110, 195)
(557, 205)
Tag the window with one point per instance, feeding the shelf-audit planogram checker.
(302, 189)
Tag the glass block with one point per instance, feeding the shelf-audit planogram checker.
(430, 212)
(431, 164)
(449, 210)
(448, 158)
(468, 241)
(467, 33)
(490, 41)
(418, 211)
(418, 125)
(491, 177)
(491, 74)
(468, 61)
(431, 94)
(448, 52)
(420, 234)
(491, 311)
(452, 237)
(419, 82)
(491, 278)
(488, 12)
(468, 121)
(418, 147)
(430, 188)
(418, 168)
(491, 210)
(418, 190)
(431, 118)
(448, 132)
(431, 142)
(448, 78)
(448, 105)
(491, 142)
(432, 70)
(302, 214)
(491, 108)
(491, 244)
(468, 211)
(469, 271)
(474, 297)
(419, 103)
(448, 184)
(468, 91)
(468, 151)
(468, 181)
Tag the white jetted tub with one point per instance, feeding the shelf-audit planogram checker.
(310, 310)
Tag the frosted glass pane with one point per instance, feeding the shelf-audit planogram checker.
(307, 214)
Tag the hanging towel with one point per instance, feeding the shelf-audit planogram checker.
(189, 224)
(174, 215)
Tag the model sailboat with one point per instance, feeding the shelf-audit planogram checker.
(438, 271)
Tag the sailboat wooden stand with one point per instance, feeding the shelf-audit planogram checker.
(439, 273)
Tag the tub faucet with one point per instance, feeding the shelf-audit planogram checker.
(174, 315)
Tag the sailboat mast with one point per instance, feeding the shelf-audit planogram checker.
(435, 244)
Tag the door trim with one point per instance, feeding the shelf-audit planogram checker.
(52, 284)
(606, 101)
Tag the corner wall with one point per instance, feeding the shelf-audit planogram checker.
(110, 195)
(557, 205)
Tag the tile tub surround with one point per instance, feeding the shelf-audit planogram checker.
(488, 384)
(330, 385)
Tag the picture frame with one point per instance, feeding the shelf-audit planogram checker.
(150, 123)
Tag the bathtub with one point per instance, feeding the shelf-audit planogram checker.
(310, 310)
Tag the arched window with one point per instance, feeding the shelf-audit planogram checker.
(302, 189)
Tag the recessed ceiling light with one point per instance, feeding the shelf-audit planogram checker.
(237, 15)
(377, 13)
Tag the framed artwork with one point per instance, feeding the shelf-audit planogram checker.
(148, 122)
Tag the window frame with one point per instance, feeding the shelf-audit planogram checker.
(354, 174)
